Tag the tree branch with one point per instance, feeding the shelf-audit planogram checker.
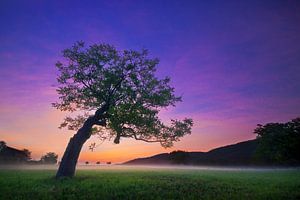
(116, 87)
(133, 135)
(150, 141)
(99, 114)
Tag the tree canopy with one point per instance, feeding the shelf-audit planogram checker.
(118, 93)
(179, 157)
(2, 145)
(27, 154)
(279, 142)
(49, 158)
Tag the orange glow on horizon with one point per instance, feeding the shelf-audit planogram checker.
(38, 132)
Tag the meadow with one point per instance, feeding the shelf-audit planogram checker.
(151, 183)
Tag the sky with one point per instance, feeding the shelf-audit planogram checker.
(235, 63)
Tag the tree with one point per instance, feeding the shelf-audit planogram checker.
(2, 145)
(12, 155)
(113, 94)
(49, 158)
(179, 157)
(279, 143)
(27, 154)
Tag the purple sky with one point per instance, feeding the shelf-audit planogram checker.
(236, 64)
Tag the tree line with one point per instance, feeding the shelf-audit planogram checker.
(277, 144)
(9, 155)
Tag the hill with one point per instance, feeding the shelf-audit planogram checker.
(236, 154)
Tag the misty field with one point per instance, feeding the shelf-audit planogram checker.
(151, 183)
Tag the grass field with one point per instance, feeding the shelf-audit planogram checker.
(149, 183)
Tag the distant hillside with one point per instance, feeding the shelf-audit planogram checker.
(235, 154)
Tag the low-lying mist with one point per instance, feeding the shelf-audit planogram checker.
(146, 167)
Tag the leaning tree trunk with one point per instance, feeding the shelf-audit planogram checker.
(69, 160)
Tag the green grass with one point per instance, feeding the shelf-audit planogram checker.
(151, 184)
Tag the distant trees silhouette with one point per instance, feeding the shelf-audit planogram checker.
(179, 157)
(9, 155)
(279, 143)
(27, 154)
(2, 145)
(49, 158)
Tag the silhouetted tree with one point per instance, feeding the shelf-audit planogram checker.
(279, 142)
(49, 158)
(87, 162)
(117, 95)
(9, 155)
(27, 154)
(98, 162)
(2, 145)
(108, 163)
(179, 157)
